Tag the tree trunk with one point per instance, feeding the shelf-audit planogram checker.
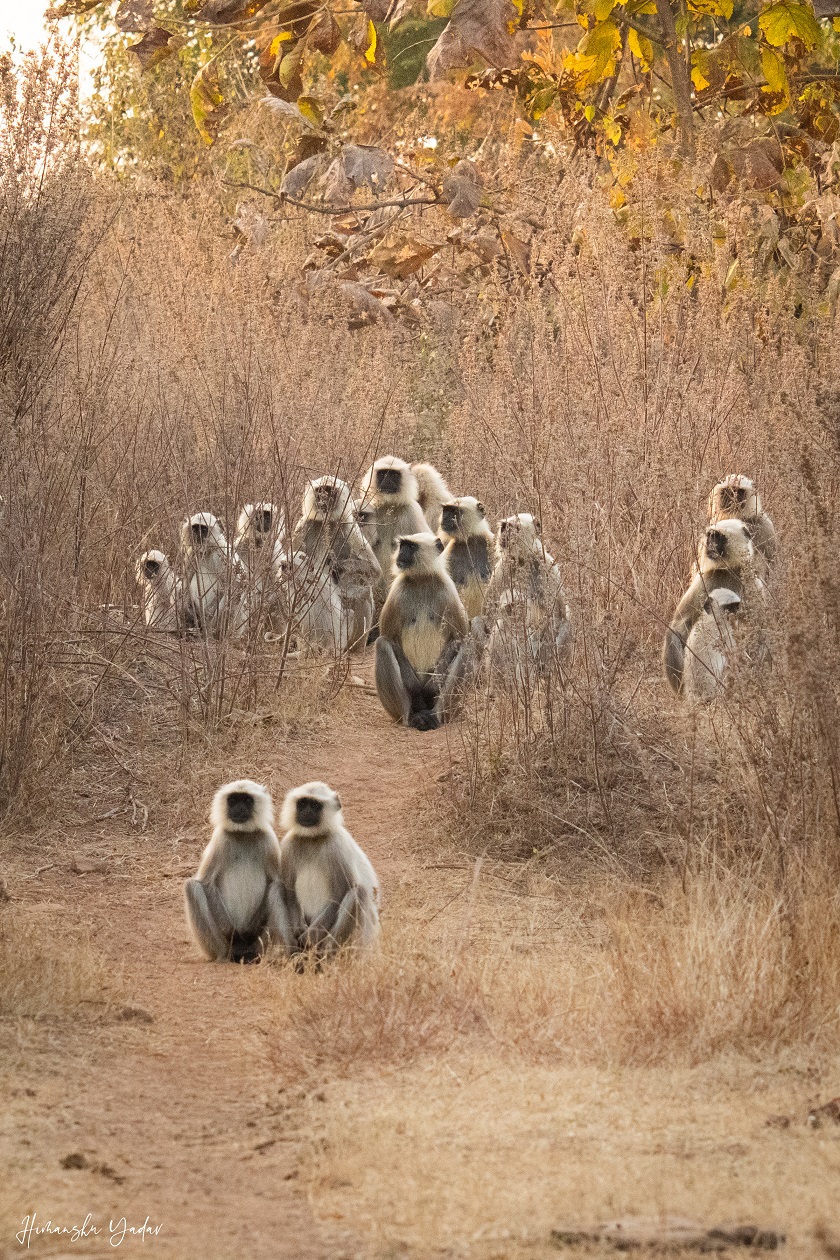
(680, 80)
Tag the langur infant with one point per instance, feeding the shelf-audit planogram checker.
(531, 629)
(422, 659)
(726, 559)
(258, 546)
(162, 593)
(736, 498)
(389, 487)
(330, 536)
(468, 554)
(330, 889)
(310, 601)
(235, 903)
(432, 493)
(711, 647)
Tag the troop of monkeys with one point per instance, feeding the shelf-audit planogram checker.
(315, 891)
(408, 564)
(420, 571)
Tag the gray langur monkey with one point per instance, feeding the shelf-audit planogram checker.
(214, 575)
(310, 601)
(258, 542)
(711, 646)
(737, 499)
(726, 558)
(235, 904)
(432, 493)
(531, 628)
(258, 548)
(162, 593)
(422, 659)
(390, 488)
(469, 550)
(330, 536)
(331, 891)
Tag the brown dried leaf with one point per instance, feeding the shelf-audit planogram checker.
(400, 256)
(134, 15)
(365, 164)
(324, 33)
(463, 189)
(297, 180)
(519, 251)
(477, 28)
(154, 47)
(224, 11)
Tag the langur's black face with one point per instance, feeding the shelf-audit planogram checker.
(388, 480)
(151, 568)
(264, 522)
(200, 533)
(309, 811)
(715, 544)
(733, 497)
(240, 807)
(406, 553)
(325, 497)
(450, 518)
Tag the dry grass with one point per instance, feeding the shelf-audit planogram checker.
(607, 975)
(483, 1160)
(48, 972)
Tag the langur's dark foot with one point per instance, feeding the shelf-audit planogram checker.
(425, 720)
(373, 635)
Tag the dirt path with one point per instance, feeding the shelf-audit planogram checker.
(173, 1111)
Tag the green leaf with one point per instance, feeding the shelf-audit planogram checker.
(209, 106)
(783, 22)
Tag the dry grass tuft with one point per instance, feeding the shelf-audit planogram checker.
(727, 963)
(47, 973)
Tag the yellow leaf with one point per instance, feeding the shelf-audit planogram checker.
(440, 8)
(788, 20)
(603, 9)
(595, 56)
(641, 47)
(311, 110)
(589, 113)
(370, 51)
(700, 69)
(773, 69)
(713, 8)
(612, 130)
(835, 22)
(274, 46)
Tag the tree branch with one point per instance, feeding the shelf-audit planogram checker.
(680, 81)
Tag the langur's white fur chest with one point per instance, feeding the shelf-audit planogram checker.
(312, 888)
(242, 888)
(423, 642)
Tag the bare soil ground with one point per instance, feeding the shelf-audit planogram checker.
(173, 1105)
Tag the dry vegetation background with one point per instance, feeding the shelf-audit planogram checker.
(663, 882)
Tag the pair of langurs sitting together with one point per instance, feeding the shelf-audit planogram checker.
(735, 555)
(430, 628)
(310, 893)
